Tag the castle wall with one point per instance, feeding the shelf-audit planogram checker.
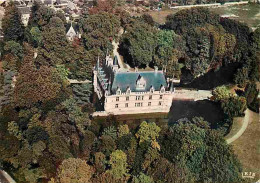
(143, 102)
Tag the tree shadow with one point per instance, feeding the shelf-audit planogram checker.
(211, 79)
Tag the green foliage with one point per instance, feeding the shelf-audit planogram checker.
(12, 26)
(221, 93)
(139, 42)
(36, 134)
(251, 95)
(142, 178)
(36, 36)
(241, 77)
(75, 114)
(148, 132)
(82, 93)
(234, 106)
(54, 44)
(123, 130)
(203, 151)
(63, 72)
(118, 163)
(14, 48)
(183, 20)
(110, 131)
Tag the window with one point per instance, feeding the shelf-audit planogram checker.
(126, 105)
(161, 96)
(138, 97)
(160, 103)
(150, 97)
(142, 97)
(127, 99)
(149, 103)
(117, 99)
(137, 104)
(116, 106)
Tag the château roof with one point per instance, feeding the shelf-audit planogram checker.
(123, 80)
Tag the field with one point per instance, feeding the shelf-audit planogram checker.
(250, 14)
(247, 147)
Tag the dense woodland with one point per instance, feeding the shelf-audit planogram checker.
(47, 133)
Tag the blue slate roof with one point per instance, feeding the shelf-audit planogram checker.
(128, 79)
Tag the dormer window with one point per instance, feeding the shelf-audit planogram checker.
(162, 89)
(128, 90)
(140, 82)
(152, 89)
(118, 91)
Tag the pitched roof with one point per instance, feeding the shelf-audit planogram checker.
(123, 80)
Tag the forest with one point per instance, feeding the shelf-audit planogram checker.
(47, 132)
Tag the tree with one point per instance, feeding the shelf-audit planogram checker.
(14, 48)
(54, 44)
(36, 36)
(234, 106)
(12, 26)
(148, 132)
(74, 170)
(36, 86)
(251, 95)
(118, 163)
(41, 15)
(123, 130)
(142, 178)
(241, 77)
(221, 93)
(190, 146)
(139, 42)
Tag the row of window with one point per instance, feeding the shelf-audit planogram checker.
(139, 98)
(139, 104)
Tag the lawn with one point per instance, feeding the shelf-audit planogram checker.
(247, 147)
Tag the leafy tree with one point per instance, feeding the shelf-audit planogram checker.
(36, 36)
(148, 132)
(36, 134)
(163, 170)
(183, 20)
(123, 130)
(54, 44)
(14, 48)
(142, 178)
(241, 77)
(110, 131)
(192, 147)
(12, 26)
(74, 170)
(139, 42)
(251, 95)
(221, 93)
(107, 24)
(35, 86)
(82, 93)
(118, 163)
(234, 106)
(41, 16)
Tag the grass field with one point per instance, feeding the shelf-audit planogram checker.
(247, 147)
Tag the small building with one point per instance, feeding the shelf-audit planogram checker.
(72, 32)
(131, 92)
(25, 13)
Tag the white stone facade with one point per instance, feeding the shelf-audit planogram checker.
(138, 96)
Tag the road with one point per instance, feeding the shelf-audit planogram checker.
(242, 129)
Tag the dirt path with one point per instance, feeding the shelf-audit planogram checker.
(122, 65)
(242, 129)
